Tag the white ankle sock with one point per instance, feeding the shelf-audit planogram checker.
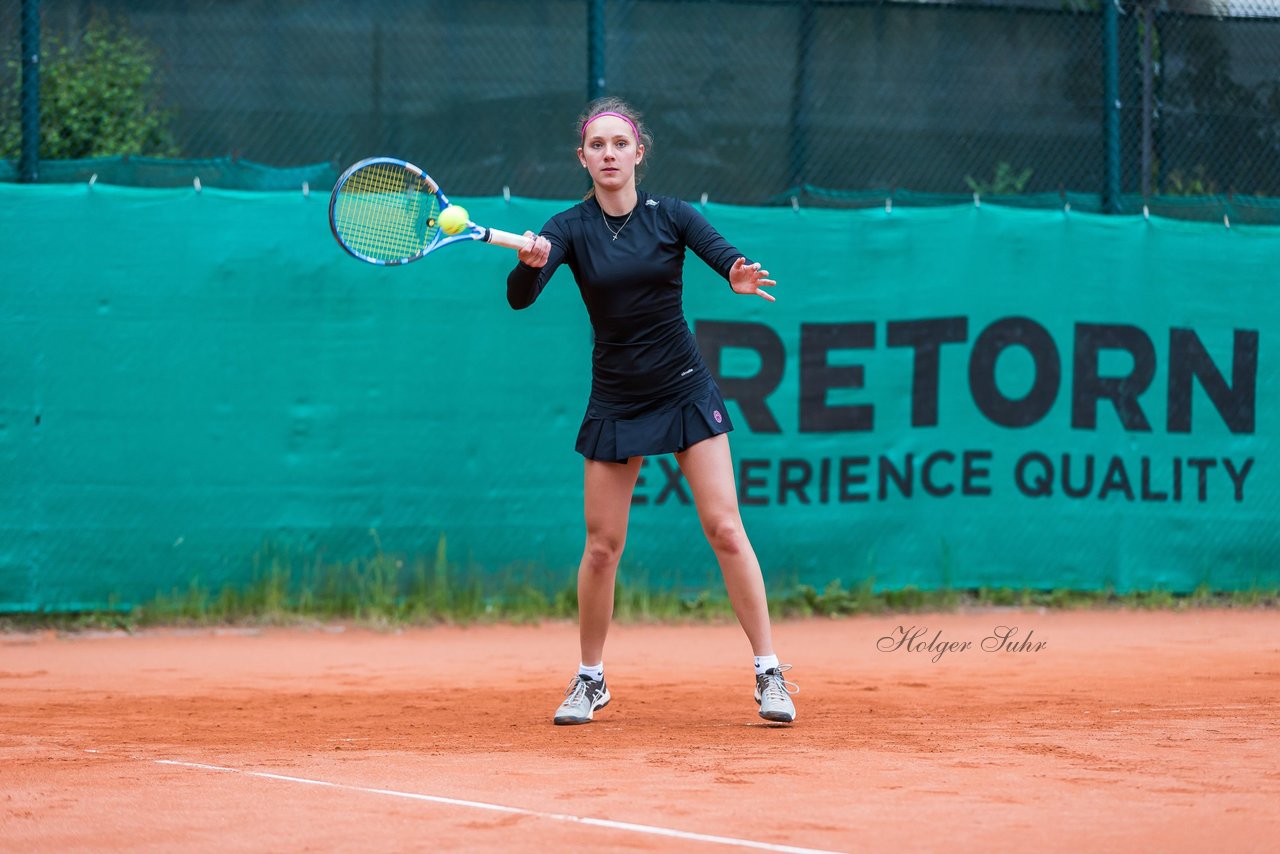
(594, 672)
(765, 662)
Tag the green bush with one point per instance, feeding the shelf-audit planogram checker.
(97, 98)
(1006, 181)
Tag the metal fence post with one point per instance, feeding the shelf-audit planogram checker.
(800, 95)
(595, 49)
(1148, 101)
(1111, 103)
(29, 162)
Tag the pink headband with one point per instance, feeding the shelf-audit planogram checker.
(583, 132)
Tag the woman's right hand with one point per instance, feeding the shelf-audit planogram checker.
(536, 251)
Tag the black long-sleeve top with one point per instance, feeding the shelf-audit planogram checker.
(632, 287)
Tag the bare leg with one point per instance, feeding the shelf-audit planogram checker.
(607, 492)
(708, 467)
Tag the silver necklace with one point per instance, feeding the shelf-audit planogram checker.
(605, 220)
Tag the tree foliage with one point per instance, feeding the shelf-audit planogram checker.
(97, 98)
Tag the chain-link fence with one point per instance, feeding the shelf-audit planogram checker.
(749, 101)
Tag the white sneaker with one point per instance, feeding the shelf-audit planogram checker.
(581, 699)
(773, 693)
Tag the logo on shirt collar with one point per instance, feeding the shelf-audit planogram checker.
(653, 203)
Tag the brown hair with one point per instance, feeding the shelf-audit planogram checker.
(610, 104)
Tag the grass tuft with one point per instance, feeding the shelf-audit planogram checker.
(385, 590)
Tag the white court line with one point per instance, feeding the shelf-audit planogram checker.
(1185, 709)
(481, 805)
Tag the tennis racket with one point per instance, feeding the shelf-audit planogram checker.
(387, 212)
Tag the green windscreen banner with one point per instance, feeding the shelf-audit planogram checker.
(942, 397)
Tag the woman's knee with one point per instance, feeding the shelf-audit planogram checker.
(602, 552)
(726, 534)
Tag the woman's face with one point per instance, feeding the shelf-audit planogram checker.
(610, 153)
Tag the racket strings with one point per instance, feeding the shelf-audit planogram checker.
(386, 212)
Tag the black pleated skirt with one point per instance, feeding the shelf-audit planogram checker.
(616, 432)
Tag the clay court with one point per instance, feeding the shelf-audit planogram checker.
(1123, 731)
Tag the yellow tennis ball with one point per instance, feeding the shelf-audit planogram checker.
(454, 219)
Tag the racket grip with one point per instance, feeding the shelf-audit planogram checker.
(505, 238)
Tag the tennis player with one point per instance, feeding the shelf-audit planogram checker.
(651, 393)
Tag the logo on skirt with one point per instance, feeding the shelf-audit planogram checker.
(716, 414)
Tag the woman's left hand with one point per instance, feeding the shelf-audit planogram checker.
(747, 278)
